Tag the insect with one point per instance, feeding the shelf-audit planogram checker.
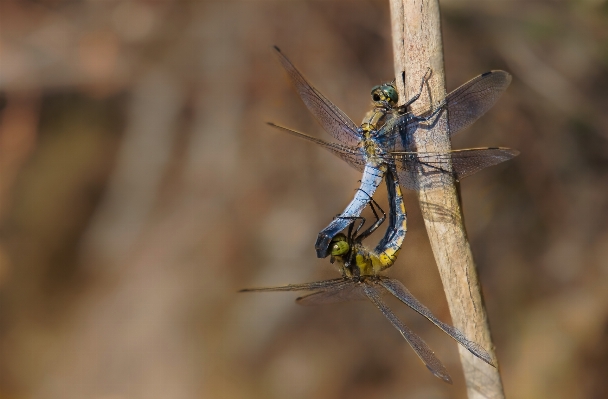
(361, 278)
(381, 141)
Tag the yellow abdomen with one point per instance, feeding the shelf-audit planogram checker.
(371, 263)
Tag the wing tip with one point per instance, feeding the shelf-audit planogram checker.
(486, 357)
(513, 152)
(276, 48)
(509, 152)
(308, 300)
(301, 300)
(506, 75)
(441, 374)
(479, 352)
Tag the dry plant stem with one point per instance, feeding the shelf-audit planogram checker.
(417, 45)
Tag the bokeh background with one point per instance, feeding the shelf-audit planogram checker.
(140, 189)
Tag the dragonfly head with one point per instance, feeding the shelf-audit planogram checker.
(339, 248)
(385, 94)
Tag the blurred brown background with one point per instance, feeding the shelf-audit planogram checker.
(140, 189)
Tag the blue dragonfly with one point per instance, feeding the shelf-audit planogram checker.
(362, 279)
(382, 140)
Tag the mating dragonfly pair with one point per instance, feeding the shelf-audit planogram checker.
(381, 148)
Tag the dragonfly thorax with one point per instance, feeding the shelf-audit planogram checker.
(371, 148)
(353, 258)
(384, 99)
(374, 119)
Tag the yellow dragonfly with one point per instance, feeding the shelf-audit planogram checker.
(361, 278)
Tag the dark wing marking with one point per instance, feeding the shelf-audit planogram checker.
(419, 170)
(396, 288)
(351, 156)
(464, 106)
(331, 118)
(344, 293)
(317, 285)
(418, 345)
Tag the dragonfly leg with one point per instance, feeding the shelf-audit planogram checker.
(440, 107)
(350, 230)
(361, 218)
(371, 199)
(425, 78)
(354, 219)
(377, 223)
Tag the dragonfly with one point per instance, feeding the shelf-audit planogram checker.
(361, 278)
(382, 140)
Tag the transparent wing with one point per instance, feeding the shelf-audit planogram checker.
(418, 170)
(317, 285)
(420, 347)
(473, 99)
(467, 161)
(464, 106)
(396, 288)
(351, 156)
(331, 118)
(345, 293)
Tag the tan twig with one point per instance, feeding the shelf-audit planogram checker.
(417, 45)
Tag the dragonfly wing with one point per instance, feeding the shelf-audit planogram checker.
(395, 134)
(331, 118)
(471, 160)
(396, 288)
(338, 294)
(317, 285)
(464, 106)
(418, 170)
(350, 155)
(420, 347)
(473, 99)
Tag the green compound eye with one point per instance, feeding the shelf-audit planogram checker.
(386, 92)
(339, 245)
(340, 248)
(391, 93)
